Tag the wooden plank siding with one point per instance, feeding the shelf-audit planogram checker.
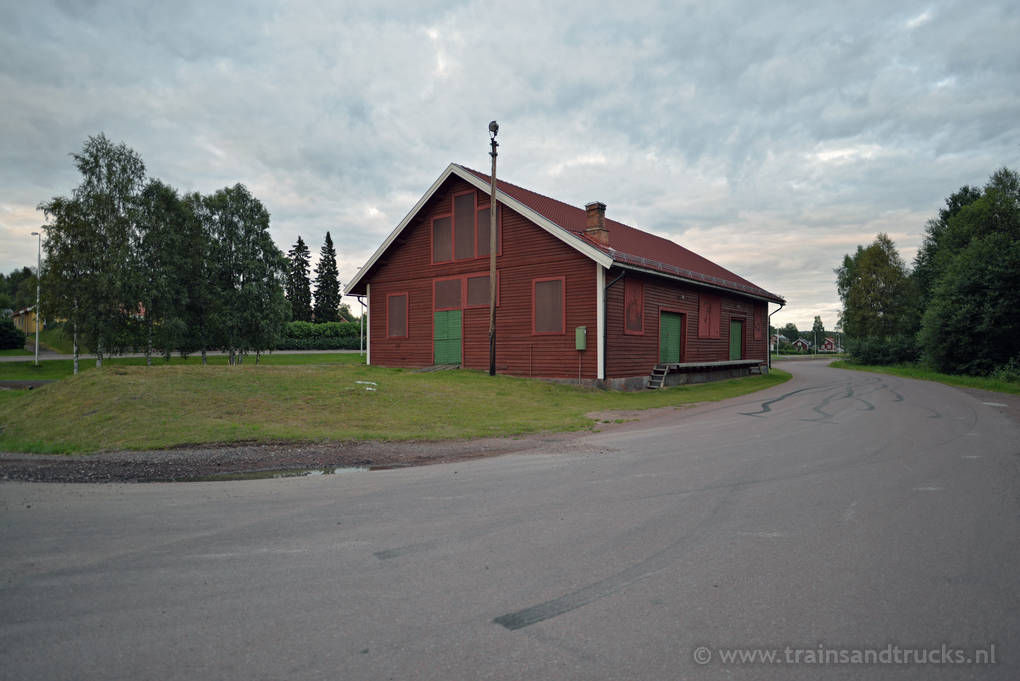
(629, 354)
(527, 253)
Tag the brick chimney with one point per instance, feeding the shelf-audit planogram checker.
(595, 223)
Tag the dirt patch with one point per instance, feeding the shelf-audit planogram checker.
(233, 461)
(240, 460)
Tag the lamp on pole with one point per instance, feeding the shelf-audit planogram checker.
(493, 130)
(38, 285)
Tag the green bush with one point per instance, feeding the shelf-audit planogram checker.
(328, 336)
(11, 337)
(1009, 372)
(970, 325)
(883, 349)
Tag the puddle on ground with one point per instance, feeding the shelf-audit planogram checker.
(289, 473)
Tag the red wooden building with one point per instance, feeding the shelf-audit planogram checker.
(652, 312)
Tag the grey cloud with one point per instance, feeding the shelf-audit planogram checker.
(718, 124)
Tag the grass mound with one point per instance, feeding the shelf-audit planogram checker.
(125, 406)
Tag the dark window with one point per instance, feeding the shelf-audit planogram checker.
(396, 315)
(464, 226)
(633, 306)
(483, 230)
(548, 306)
(442, 240)
(478, 291)
(709, 311)
(448, 294)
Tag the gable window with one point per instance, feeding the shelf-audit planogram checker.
(483, 230)
(633, 307)
(396, 315)
(442, 239)
(464, 233)
(709, 312)
(547, 304)
(464, 226)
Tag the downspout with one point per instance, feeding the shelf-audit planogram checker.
(769, 343)
(605, 325)
(361, 331)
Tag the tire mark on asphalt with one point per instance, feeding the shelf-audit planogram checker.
(932, 413)
(850, 394)
(635, 573)
(767, 405)
(820, 409)
(386, 554)
(897, 397)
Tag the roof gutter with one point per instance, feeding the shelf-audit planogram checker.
(696, 282)
(769, 343)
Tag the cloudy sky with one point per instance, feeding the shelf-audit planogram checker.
(770, 137)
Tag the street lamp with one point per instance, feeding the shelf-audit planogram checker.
(38, 285)
(493, 210)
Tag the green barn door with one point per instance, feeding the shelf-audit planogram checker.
(670, 328)
(446, 337)
(736, 339)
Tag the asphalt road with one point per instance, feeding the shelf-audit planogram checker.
(842, 511)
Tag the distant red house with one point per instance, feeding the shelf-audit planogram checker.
(829, 345)
(801, 344)
(641, 301)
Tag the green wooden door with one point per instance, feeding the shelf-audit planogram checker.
(670, 328)
(736, 339)
(446, 337)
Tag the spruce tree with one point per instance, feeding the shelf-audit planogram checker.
(327, 284)
(299, 290)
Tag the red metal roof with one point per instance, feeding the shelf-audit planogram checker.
(630, 246)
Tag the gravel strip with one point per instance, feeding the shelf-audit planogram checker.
(243, 461)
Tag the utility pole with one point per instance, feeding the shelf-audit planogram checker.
(493, 209)
(38, 288)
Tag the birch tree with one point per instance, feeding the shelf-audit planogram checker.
(112, 176)
(67, 267)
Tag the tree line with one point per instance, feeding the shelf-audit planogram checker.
(17, 290)
(956, 308)
(130, 263)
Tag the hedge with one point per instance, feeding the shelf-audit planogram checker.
(328, 336)
(883, 350)
(11, 337)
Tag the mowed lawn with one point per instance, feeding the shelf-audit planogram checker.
(126, 406)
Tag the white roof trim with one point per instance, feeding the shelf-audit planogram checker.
(545, 223)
